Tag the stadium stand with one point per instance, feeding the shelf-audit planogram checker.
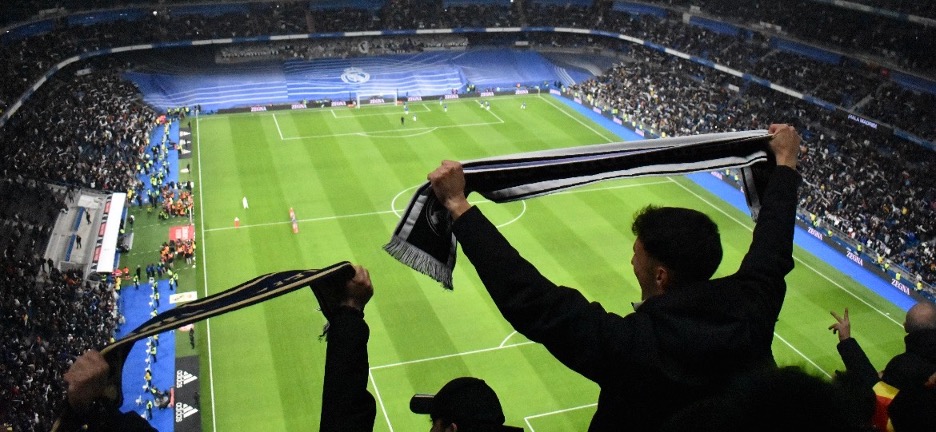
(95, 127)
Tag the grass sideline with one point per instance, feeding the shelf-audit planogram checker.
(349, 172)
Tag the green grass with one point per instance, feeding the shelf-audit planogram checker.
(348, 173)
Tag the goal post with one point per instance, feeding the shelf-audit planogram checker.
(379, 97)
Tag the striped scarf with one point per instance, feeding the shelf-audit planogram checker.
(256, 290)
(423, 238)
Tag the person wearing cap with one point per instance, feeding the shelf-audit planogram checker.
(687, 335)
(464, 404)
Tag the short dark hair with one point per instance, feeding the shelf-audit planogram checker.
(686, 241)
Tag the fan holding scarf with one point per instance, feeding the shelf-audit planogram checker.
(688, 335)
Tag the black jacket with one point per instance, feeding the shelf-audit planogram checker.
(908, 369)
(676, 347)
(103, 418)
(347, 406)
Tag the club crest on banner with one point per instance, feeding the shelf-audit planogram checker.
(354, 75)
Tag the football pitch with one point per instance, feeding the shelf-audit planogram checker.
(348, 173)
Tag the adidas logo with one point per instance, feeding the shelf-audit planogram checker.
(183, 378)
(183, 411)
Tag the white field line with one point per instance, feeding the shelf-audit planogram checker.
(278, 127)
(380, 400)
(820, 369)
(442, 357)
(204, 263)
(560, 109)
(528, 418)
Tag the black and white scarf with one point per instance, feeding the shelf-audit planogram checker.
(423, 238)
(256, 290)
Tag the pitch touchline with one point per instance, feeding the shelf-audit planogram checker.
(575, 118)
(803, 355)
(204, 269)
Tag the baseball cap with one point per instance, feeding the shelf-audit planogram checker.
(468, 402)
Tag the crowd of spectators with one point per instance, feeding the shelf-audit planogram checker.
(840, 28)
(338, 48)
(77, 131)
(876, 188)
(26, 216)
(903, 44)
(47, 316)
(88, 131)
(87, 128)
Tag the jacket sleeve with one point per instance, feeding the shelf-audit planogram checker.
(857, 365)
(578, 333)
(347, 406)
(770, 256)
(103, 418)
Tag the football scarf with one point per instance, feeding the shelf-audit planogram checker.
(423, 238)
(256, 290)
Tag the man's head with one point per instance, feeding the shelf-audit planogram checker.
(463, 404)
(674, 245)
(922, 316)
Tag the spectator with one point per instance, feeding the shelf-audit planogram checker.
(687, 335)
(908, 370)
(911, 368)
(463, 404)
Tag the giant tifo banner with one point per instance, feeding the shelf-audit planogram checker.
(186, 401)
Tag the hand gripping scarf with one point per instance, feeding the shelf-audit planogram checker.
(256, 290)
(423, 238)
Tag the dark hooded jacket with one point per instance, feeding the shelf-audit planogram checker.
(676, 347)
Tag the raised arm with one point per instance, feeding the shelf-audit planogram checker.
(575, 331)
(858, 367)
(347, 406)
(770, 257)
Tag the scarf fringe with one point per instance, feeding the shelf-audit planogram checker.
(420, 261)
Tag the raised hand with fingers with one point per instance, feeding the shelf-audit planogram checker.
(842, 325)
